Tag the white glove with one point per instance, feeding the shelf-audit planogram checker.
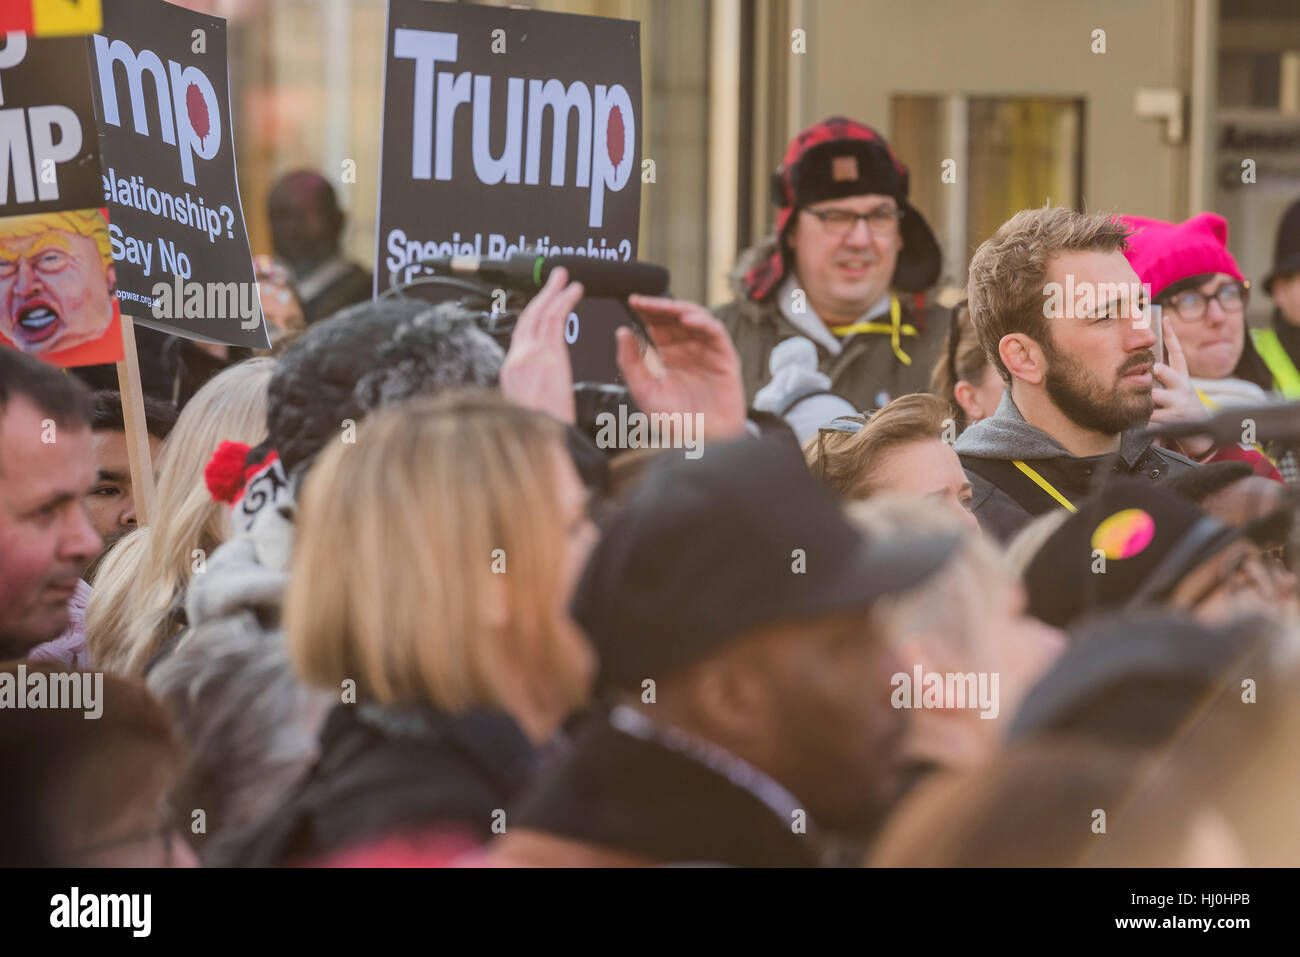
(793, 365)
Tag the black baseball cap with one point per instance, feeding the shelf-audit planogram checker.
(1149, 539)
(1134, 678)
(708, 550)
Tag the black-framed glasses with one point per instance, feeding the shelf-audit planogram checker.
(847, 424)
(1192, 304)
(1248, 571)
(842, 425)
(883, 220)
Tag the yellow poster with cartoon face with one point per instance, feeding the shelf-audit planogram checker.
(58, 299)
(58, 282)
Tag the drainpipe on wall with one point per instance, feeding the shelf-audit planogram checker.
(795, 92)
(724, 144)
(1202, 143)
(1289, 94)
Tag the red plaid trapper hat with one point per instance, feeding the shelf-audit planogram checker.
(832, 159)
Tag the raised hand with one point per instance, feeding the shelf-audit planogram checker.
(537, 373)
(1175, 397)
(700, 368)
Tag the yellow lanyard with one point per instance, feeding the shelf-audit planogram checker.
(895, 329)
(1045, 485)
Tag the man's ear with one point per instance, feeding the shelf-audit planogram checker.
(1023, 357)
(964, 394)
(727, 700)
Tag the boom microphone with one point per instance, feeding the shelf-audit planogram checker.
(528, 271)
(1270, 423)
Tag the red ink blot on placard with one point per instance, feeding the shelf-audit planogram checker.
(197, 108)
(614, 136)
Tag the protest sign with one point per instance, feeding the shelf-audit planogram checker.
(56, 268)
(163, 109)
(508, 131)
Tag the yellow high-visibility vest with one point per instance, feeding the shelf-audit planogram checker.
(1286, 377)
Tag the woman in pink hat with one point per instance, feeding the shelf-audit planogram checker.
(1203, 296)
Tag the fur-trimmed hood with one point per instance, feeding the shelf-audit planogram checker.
(758, 253)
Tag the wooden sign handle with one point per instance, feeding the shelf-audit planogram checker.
(137, 435)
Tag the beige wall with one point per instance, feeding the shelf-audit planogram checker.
(860, 52)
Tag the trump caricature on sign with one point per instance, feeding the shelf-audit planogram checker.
(58, 291)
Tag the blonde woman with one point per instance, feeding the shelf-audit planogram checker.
(429, 591)
(138, 600)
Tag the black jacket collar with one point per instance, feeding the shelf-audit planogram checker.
(490, 740)
(635, 794)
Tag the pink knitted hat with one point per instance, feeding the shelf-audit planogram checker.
(1163, 253)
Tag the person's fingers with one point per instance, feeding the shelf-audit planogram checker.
(566, 300)
(1167, 376)
(556, 281)
(1173, 348)
(655, 321)
(663, 327)
(631, 362)
(661, 304)
(658, 312)
(1161, 397)
(533, 319)
(677, 322)
(703, 326)
(531, 315)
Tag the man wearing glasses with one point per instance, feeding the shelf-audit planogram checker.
(843, 269)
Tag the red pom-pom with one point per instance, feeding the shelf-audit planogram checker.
(224, 472)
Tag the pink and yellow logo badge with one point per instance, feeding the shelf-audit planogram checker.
(1124, 534)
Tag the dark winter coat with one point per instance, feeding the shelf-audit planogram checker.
(1005, 500)
(866, 372)
(620, 799)
(385, 771)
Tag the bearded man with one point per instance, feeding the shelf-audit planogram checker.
(1081, 369)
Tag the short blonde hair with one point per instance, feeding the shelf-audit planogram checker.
(441, 512)
(847, 461)
(1008, 272)
(1027, 542)
(80, 222)
(952, 600)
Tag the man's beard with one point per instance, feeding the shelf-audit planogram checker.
(1087, 402)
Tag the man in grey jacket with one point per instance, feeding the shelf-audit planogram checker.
(845, 270)
(1062, 317)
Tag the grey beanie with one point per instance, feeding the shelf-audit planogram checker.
(368, 355)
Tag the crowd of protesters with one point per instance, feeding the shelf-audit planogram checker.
(933, 594)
